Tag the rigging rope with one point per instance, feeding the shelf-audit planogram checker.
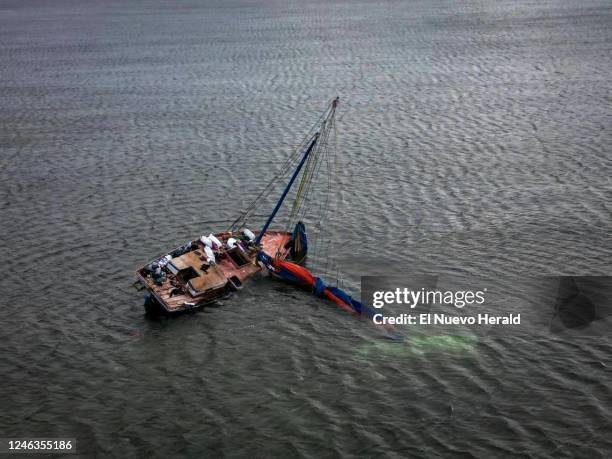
(308, 204)
(304, 198)
(285, 169)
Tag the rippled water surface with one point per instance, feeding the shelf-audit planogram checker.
(473, 137)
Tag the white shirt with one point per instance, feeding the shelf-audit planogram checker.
(216, 242)
(248, 233)
(210, 256)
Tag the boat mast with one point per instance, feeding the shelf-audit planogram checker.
(328, 115)
(284, 195)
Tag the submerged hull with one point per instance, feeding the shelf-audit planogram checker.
(190, 282)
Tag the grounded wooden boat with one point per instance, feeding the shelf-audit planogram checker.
(213, 266)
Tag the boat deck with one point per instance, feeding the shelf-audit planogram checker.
(209, 282)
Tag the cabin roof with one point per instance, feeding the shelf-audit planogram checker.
(189, 259)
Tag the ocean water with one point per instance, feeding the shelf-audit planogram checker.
(473, 138)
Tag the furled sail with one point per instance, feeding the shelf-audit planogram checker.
(299, 275)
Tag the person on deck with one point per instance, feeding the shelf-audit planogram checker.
(210, 256)
(233, 242)
(249, 234)
(216, 243)
(158, 275)
(211, 241)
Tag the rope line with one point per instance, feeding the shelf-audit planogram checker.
(308, 204)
